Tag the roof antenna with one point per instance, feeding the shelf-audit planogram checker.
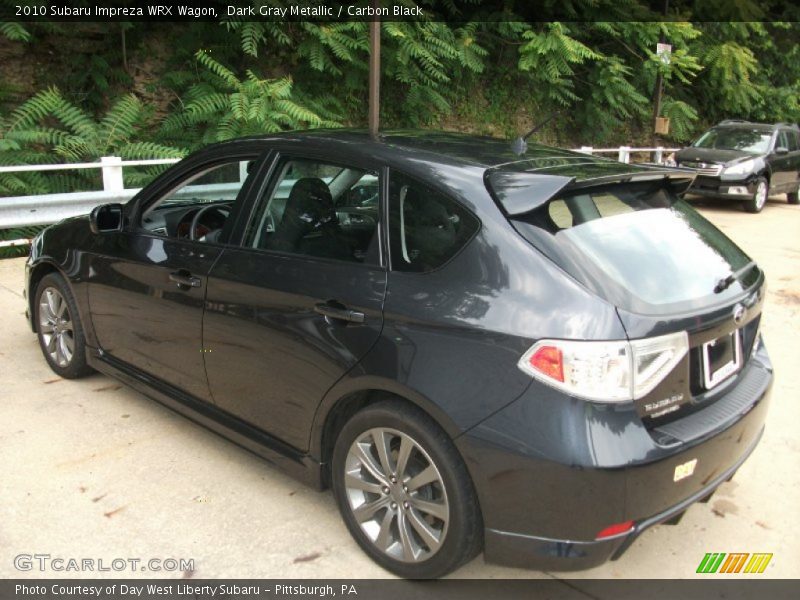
(520, 145)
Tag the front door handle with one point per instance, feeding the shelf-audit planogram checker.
(340, 313)
(184, 279)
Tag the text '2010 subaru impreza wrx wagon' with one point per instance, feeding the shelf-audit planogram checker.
(537, 355)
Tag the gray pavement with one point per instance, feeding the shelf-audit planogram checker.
(92, 469)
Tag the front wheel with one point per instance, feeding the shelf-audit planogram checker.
(759, 199)
(58, 325)
(404, 492)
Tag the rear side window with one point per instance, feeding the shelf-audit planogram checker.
(426, 228)
(788, 139)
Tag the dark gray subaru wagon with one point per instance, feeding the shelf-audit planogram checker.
(536, 354)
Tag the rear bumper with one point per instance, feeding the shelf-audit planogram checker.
(552, 472)
(527, 551)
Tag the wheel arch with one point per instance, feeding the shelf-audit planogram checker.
(38, 272)
(341, 403)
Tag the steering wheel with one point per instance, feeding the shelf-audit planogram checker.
(222, 208)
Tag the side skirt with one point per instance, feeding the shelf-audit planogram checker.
(289, 460)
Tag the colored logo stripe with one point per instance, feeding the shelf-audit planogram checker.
(713, 562)
(734, 562)
(710, 562)
(758, 563)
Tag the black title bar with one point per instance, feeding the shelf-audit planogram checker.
(400, 10)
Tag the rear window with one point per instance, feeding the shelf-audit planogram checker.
(426, 228)
(637, 245)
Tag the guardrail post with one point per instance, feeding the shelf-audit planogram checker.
(624, 155)
(658, 156)
(112, 173)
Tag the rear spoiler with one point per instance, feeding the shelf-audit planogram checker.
(519, 192)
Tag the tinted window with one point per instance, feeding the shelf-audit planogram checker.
(788, 139)
(217, 184)
(637, 245)
(752, 141)
(319, 209)
(426, 227)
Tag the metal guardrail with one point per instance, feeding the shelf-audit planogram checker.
(44, 209)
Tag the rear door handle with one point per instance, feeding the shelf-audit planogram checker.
(184, 279)
(340, 313)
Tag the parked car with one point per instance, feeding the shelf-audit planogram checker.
(739, 160)
(538, 356)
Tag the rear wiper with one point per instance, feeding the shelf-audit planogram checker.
(724, 283)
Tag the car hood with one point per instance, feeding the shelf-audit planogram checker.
(712, 155)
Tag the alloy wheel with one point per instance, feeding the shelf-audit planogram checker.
(761, 195)
(396, 494)
(56, 327)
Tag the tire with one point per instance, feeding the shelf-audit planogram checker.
(792, 197)
(419, 531)
(59, 328)
(759, 199)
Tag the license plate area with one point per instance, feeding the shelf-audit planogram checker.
(722, 357)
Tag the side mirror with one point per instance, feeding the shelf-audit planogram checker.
(106, 218)
(781, 150)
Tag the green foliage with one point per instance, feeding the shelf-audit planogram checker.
(19, 233)
(126, 92)
(550, 55)
(48, 128)
(14, 31)
(682, 118)
(223, 106)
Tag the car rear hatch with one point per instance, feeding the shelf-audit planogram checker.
(623, 232)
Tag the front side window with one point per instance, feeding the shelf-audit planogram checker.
(321, 210)
(198, 207)
(426, 227)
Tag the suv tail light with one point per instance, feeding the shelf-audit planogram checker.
(608, 371)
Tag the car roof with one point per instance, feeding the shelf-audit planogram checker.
(460, 161)
(408, 146)
(768, 127)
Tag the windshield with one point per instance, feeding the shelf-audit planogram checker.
(752, 141)
(638, 246)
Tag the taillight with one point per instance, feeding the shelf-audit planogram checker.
(548, 361)
(609, 371)
(614, 530)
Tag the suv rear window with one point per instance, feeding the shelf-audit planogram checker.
(638, 245)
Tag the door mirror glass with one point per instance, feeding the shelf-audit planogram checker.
(106, 218)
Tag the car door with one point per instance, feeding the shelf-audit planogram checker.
(147, 283)
(793, 160)
(781, 163)
(299, 302)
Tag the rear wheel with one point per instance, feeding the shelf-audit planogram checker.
(404, 492)
(58, 325)
(793, 198)
(759, 199)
